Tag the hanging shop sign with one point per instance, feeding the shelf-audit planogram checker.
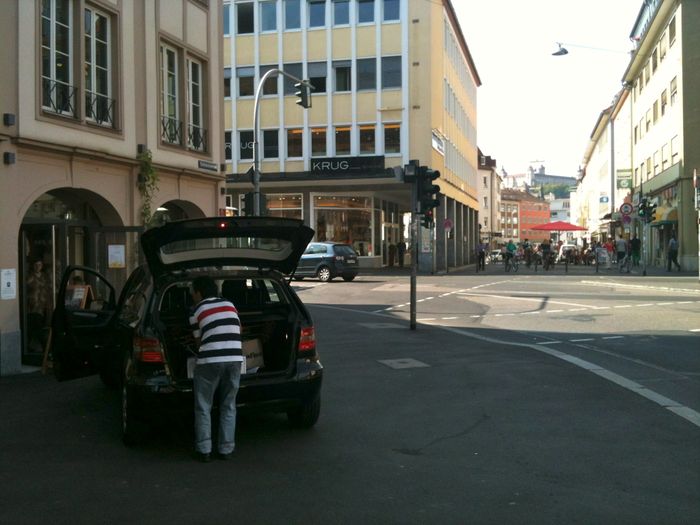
(624, 179)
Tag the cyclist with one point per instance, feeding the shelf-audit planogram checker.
(510, 252)
(527, 250)
(546, 250)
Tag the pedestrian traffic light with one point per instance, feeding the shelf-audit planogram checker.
(642, 209)
(428, 219)
(303, 91)
(428, 193)
(651, 212)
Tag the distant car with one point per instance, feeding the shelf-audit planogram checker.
(565, 248)
(495, 256)
(327, 260)
(142, 342)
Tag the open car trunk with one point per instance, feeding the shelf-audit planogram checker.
(270, 326)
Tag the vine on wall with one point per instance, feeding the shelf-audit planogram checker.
(148, 185)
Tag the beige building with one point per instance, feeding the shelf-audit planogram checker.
(394, 81)
(489, 189)
(663, 77)
(98, 98)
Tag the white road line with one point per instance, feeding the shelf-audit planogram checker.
(427, 319)
(623, 306)
(578, 309)
(645, 304)
(553, 311)
(684, 302)
(581, 340)
(530, 313)
(686, 413)
(614, 337)
(663, 304)
(695, 330)
(449, 318)
(475, 316)
(602, 308)
(548, 343)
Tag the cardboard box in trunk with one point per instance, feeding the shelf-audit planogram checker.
(253, 352)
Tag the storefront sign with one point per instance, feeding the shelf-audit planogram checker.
(438, 143)
(8, 281)
(347, 165)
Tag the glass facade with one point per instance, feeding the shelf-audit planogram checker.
(346, 219)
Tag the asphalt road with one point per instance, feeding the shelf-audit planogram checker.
(488, 419)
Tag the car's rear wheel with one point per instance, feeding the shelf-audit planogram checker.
(324, 274)
(132, 430)
(348, 277)
(306, 415)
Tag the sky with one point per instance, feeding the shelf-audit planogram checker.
(533, 107)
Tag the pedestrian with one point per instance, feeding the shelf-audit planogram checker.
(217, 331)
(38, 305)
(673, 253)
(636, 246)
(401, 250)
(481, 256)
(620, 248)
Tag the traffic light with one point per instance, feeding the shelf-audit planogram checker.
(249, 204)
(428, 219)
(428, 193)
(642, 209)
(303, 91)
(651, 212)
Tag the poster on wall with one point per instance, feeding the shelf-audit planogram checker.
(116, 256)
(8, 280)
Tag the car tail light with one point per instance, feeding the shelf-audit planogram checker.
(307, 341)
(148, 350)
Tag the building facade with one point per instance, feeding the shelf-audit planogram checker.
(520, 211)
(489, 201)
(394, 81)
(663, 78)
(111, 122)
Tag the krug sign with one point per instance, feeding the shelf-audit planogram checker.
(347, 164)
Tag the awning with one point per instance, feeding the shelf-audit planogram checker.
(666, 216)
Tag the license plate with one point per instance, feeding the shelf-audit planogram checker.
(350, 261)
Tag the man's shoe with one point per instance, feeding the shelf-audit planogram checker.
(202, 457)
(224, 457)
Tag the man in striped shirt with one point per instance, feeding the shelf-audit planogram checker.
(217, 329)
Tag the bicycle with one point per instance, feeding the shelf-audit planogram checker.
(511, 263)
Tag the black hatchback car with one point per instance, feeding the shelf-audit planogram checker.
(142, 343)
(326, 260)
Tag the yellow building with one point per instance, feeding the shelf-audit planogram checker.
(90, 90)
(394, 81)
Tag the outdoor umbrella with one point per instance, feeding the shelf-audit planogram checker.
(558, 226)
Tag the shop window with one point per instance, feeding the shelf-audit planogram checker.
(271, 146)
(268, 16)
(367, 139)
(245, 15)
(292, 14)
(270, 86)
(295, 69)
(295, 143)
(317, 76)
(317, 13)
(318, 142)
(341, 12)
(366, 74)
(365, 11)
(347, 219)
(246, 81)
(391, 72)
(392, 138)
(341, 72)
(245, 140)
(391, 10)
(286, 205)
(342, 140)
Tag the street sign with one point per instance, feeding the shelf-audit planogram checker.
(626, 219)
(626, 208)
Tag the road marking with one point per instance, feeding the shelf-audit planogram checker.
(623, 306)
(426, 319)
(380, 326)
(695, 330)
(645, 304)
(578, 309)
(401, 364)
(475, 316)
(614, 337)
(530, 313)
(663, 304)
(449, 318)
(684, 302)
(686, 413)
(549, 343)
(553, 311)
(581, 340)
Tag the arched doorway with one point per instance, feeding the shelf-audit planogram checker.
(174, 210)
(65, 227)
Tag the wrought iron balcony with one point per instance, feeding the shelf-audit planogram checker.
(58, 97)
(171, 130)
(196, 138)
(100, 109)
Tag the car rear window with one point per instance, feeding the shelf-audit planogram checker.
(344, 249)
(232, 247)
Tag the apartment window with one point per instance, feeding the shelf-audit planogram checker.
(228, 151)
(268, 16)
(365, 11)
(292, 14)
(656, 162)
(270, 86)
(317, 76)
(648, 165)
(391, 72)
(486, 202)
(295, 143)
(647, 74)
(317, 13)
(654, 61)
(674, 90)
(391, 10)
(662, 47)
(636, 134)
(245, 17)
(664, 102)
(196, 134)
(367, 139)
(246, 81)
(664, 156)
(341, 74)
(318, 142)
(392, 138)
(675, 150)
(227, 22)
(366, 74)
(655, 109)
(58, 93)
(672, 31)
(342, 140)
(171, 126)
(99, 106)
(648, 121)
(486, 184)
(296, 70)
(245, 141)
(271, 144)
(341, 12)
(227, 82)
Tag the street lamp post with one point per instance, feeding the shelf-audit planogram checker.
(256, 131)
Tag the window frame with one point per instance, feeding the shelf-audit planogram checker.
(360, 11)
(384, 10)
(346, 3)
(250, 5)
(191, 104)
(365, 127)
(166, 95)
(312, 76)
(226, 18)
(342, 128)
(240, 69)
(373, 75)
(294, 131)
(391, 125)
(239, 134)
(264, 136)
(262, 5)
(288, 7)
(324, 131)
(338, 65)
(385, 73)
(310, 11)
(95, 12)
(52, 76)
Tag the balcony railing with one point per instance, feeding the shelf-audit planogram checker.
(58, 97)
(99, 109)
(171, 130)
(196, 138)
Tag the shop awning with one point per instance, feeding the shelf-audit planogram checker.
(665, 216)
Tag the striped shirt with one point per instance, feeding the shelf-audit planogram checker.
(215, 322)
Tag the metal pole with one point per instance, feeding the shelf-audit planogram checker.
(256, 133)
(414, 253)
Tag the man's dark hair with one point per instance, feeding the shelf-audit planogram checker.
(206, 286)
